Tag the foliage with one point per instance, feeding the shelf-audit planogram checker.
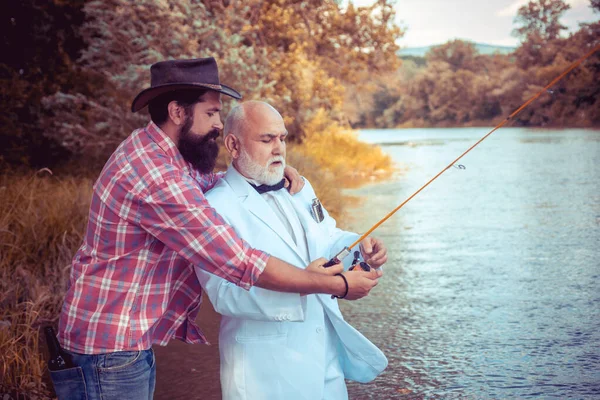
(39, 42)
(541, 18)
(338, 151)
(293, 54)
(458, 87)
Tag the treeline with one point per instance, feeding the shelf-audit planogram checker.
(70, 68)
(455, 86)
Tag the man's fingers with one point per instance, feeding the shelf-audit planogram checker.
(378, 258)
(296, 181)
(375, 273)
(367, 247)
(335, 269)
(317, 266)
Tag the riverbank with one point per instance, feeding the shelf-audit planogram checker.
(42, 221)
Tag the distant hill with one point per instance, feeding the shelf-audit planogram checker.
(481, 48)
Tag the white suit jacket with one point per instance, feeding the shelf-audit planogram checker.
(259, 360)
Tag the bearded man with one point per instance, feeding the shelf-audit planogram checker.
(132, 281)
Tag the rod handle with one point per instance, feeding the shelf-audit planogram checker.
(338, 258)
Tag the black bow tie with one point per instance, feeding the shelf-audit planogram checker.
(267, 188)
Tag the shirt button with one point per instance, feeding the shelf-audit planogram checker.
(319, 329)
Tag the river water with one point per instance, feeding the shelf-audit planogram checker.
(492, 289)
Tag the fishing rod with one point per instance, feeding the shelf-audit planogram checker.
(346, 250)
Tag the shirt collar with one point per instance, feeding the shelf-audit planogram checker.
(167, 145)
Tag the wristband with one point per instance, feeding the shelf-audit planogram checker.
(333, 296)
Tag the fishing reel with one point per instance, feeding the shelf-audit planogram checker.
(357, 264)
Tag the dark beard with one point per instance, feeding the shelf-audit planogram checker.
(200, 151)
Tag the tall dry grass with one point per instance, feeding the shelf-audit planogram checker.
(337, 150)
(42, 221)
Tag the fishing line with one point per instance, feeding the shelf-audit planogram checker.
(342, 254)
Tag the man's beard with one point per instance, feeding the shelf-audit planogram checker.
(200, 151)
(260, 173)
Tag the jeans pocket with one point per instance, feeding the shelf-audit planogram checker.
(69, 384)
(120, 359)
(130, 375)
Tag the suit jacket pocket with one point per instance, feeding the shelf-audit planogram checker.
(261, 331)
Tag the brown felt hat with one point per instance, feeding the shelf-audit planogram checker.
(167, 76)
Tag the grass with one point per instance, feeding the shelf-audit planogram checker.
(42, 221)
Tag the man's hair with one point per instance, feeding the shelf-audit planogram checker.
(234, 122)
(158, 107)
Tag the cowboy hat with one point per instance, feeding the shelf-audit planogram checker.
(166, 76)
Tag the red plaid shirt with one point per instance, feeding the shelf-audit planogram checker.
(132, 281)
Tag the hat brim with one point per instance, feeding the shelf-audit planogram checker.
(146, 95)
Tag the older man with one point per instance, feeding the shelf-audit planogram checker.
(282, 345)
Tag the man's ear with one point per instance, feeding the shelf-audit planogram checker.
(176, 113)
(232, 144)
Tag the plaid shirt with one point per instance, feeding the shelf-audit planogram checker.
(132, 281)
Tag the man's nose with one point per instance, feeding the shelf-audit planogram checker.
(218, 124)
(278, 147)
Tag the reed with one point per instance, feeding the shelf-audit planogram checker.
(42, 219)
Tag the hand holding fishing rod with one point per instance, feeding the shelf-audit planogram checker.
(356, 284)
(346, 250)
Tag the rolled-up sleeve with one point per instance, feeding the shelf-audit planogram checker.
(176, 212)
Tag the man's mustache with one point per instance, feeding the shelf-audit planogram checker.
(281, 159)
(212, 134)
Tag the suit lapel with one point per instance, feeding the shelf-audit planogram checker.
(258, 207)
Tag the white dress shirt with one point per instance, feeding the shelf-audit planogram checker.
(280, 202)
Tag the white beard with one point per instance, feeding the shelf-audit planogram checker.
(260, 173)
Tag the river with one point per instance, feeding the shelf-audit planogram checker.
(492, 289)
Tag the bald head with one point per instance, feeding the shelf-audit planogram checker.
(255, 138)
(249, 116)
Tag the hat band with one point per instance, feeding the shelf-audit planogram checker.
(208, 85)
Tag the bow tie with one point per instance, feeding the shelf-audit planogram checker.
(267, 188)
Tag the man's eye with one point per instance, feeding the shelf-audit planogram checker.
(210, 114)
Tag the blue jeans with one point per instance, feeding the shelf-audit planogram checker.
(119, 375)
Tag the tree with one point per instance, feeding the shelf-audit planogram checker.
(39, 45)
(541, 18)
(457, 53)
(294, 54)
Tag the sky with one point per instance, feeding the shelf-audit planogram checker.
(429, 22)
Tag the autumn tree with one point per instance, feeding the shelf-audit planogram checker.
(458, 54)
(541, 18)
(294, 54)
(317, 49)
